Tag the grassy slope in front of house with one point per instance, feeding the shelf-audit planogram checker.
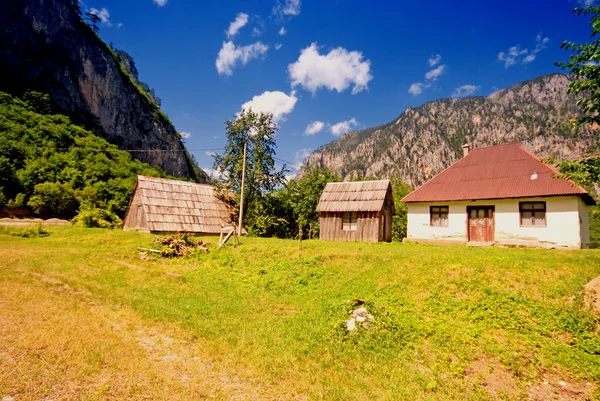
(450, 322)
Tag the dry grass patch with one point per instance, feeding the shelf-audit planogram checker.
(58, 343)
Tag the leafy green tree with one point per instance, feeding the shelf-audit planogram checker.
(304, 195)
(584, 65)
(257, 131)
(54, 199)
(400, 220)
(41, 152)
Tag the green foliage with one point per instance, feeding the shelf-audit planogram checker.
(54, 199)
(258, 133)
(51, 166)
(400, 220)
(93, 217)
(304, 193)
(584, 64)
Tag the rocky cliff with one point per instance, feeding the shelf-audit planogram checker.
(425, 140)
(45, 46)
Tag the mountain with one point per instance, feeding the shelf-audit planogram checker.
(45, 46)
(425, 140)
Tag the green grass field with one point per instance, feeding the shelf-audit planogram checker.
(82, 316)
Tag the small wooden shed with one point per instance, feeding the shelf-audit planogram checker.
(356, 211)
(162, 205)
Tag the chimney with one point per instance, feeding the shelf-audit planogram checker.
(466, 148)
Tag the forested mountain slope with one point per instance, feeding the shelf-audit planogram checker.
(45, 46)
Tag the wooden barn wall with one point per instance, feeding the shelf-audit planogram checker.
(131, 218)
(367, 227)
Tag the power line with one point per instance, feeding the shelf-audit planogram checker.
(127, 150)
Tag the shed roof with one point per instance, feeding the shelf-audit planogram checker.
(496, 172)
(181, 206)
(361, 196)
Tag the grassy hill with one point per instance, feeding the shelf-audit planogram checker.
(85, 318)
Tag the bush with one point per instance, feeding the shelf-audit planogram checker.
(97, 218)
(54, 199)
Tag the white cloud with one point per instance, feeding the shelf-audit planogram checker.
(434, 60)
(282, 31)
(210, 154)
(214, 174)
(465, 90)
(516, 55)
(278, 46)
(336, 70)
(277, 103)
(314, 128)
(256, 31)
(416, 88)
(185, 135)
(103, 14)
(343, 126)
(287, 8)
(119, 25)
(301, 155)
(435, 73)
(238, 23)
(230, 55)
(160, 3)
(510, 58)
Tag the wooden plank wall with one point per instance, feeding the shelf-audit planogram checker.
(367, 227)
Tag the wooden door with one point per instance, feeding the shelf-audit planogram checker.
(480, 223)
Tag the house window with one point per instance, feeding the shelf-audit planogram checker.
(533, 213)
(349, 221)
(438, 216)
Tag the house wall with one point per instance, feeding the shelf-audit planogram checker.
(563, 227)
(367, 227)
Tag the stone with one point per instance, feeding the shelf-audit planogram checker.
(351, 324)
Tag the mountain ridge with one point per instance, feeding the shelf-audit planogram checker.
(424, 140)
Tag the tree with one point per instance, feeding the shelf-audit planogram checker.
(257, 131)
(94, 19)
(304, 195)
(400, 220)
(584, 64)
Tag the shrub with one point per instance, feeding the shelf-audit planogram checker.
(96, 218)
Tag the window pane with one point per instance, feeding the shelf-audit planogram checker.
(526, 206)
(444, 209)
(526, 218)
(539, 205)
(539, 218)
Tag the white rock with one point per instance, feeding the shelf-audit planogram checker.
(562, 384)
(351, 324)
(360, 318)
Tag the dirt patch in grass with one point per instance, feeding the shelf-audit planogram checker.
(555, 388)
(499, 383)
(489, 374)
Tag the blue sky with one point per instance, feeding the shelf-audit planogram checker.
(336, 65)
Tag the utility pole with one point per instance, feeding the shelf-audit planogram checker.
(242, 194)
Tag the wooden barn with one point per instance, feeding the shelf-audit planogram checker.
(161, 205)
(356, 211)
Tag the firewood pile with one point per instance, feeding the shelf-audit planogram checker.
(177, 245)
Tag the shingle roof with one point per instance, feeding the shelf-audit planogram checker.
(361, 196)
(496, 172)
(181, 206)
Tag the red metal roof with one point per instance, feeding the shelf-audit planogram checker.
(496, 172)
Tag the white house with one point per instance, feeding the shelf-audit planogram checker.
(500, 195)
